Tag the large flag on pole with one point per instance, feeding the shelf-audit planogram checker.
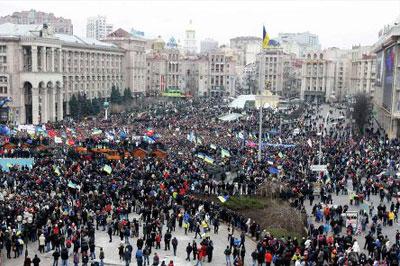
(265, 41)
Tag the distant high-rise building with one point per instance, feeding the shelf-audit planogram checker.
(247, 47)
(305, 40)
(59, 24)
(208, 45)
(98, 28)
(190, 40)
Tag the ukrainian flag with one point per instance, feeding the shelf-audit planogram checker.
(223, 199)
(208, 159)
(265, 41)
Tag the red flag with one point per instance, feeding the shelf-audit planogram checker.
(51, 133)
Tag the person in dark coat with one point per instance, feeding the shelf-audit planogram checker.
(36, 261)
(210, 249)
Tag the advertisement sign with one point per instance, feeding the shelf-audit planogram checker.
(379, 69)
(388, 78)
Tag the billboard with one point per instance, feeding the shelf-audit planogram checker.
(379, 69)
(388, 78)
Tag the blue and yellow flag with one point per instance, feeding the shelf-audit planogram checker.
(265, 41)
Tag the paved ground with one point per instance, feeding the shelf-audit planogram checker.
(111, 249)
(389, 231)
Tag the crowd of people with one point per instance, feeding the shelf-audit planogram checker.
(73, 191)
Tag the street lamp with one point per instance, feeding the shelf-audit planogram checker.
(261, 97)
(106, 105)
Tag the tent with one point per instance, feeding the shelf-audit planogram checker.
(160, 154)
(230, 117)
(139, 153)
(268, 100)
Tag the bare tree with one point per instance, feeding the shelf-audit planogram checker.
(362, 109)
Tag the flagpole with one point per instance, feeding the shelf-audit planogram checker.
(261, 105)
(320, 149)
(260, 132)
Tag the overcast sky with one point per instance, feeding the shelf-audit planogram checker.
(338, 23)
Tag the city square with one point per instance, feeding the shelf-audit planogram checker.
(174, 140)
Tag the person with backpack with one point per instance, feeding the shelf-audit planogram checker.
(268, 258)
(254, 256)
(109, 232)
(92, 248)
(64, 257)
(27, 261)
(139, 257)
(158, 241)
(56, 255)
(127, 234)
(146, 256)
(174, 244)
(199, 258)
(36, 260)
(156, 259)
(101, 256)
(85, 259)
(127, 256)
(188, 251)
(167, 239)
(76, 259)
(210, 249)
(42, 243)
(227, 253)
(121, 251)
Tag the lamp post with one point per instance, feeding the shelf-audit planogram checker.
(320, 148)
(106, 105)
(261, 122)
(260, 131)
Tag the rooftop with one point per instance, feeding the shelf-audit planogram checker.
(33, 30)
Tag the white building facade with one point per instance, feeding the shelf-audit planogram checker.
(318, 78)
(41, 70)
(272, 68)
(363, 70)
(134, 60)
